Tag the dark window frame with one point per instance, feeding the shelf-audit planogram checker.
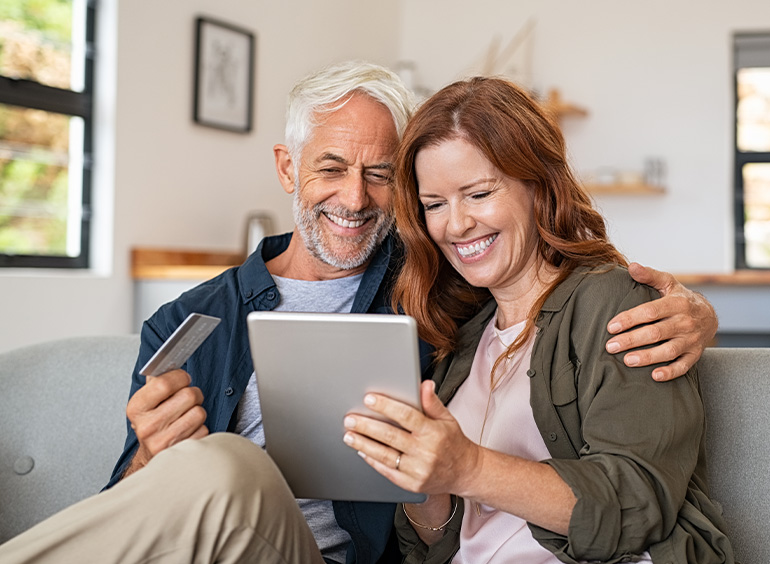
(743, 158)
(31, 94)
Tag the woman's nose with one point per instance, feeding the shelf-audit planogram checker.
(460, 220)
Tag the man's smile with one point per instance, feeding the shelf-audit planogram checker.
(347, 223)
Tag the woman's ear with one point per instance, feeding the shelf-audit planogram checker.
(284, 166)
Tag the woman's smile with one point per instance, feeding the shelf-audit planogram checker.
(474, 249)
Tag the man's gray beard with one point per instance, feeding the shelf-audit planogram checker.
(308, 225)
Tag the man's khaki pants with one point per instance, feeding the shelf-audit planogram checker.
(218, 499)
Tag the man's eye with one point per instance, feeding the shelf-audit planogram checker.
(331, 170)
(379, 178)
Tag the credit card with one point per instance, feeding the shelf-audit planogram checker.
(181, 344)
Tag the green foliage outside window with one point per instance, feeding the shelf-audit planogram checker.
(36, 45)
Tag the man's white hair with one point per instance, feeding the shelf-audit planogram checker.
(330, 88)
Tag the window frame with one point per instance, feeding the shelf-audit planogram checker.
(742, 158)
(27, 93)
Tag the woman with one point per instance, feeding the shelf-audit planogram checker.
(554, 449)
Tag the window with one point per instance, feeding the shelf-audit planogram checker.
(46, 77)
(752, 150)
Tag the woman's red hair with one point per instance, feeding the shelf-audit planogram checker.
(524, 142)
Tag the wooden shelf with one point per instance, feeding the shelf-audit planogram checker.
(628, 189)
(561, 109)
(554, 104)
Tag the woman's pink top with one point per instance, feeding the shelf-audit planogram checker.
(489, 535)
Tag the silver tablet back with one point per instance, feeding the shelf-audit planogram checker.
(314, 368)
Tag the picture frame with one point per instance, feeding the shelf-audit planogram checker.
(224, 75)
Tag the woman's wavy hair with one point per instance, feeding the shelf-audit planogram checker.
(524, 142)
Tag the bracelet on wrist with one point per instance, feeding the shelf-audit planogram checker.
(429, 528)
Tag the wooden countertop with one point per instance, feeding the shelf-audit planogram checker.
(181, 264)
(186, 264)
(737, 278)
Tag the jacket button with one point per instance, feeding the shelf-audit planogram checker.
(531, 372)
(229, 392)
(271, 295)
(249, 293)
(552, 436)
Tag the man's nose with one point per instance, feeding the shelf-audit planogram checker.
(353, 193)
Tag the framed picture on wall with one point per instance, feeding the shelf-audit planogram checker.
(224, 76)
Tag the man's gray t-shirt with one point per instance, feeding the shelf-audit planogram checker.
(325, 296)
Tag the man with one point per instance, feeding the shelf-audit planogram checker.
(220, 498)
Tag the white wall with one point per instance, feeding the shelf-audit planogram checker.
(656, 78)
(175, 183)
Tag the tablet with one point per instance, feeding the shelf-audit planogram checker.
(314, 368)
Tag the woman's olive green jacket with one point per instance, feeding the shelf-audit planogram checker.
(630, 448)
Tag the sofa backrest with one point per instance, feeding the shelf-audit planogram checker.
(62, 423)
(736, 390)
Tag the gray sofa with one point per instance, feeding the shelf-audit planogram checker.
(736, 392)
(62, 425)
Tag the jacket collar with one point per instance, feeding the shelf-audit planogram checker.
(254, 279)
(253, 276)
(382, 263)
(561, 294)
(469, 333)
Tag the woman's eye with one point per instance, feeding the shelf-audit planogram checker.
(432, 206)
(480, 195)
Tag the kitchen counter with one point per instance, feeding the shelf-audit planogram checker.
(181, 264)
(161, 275)
(737, 278)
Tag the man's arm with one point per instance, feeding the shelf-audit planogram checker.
(681, 324)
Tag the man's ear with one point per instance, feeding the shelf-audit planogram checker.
(284, 166)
